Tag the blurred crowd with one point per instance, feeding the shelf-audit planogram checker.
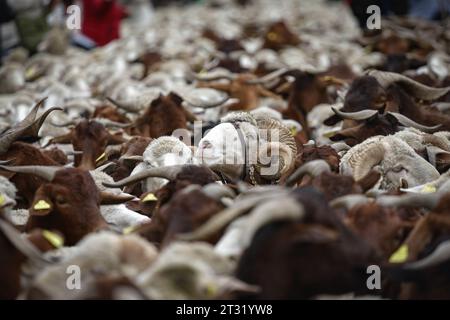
(25, 22)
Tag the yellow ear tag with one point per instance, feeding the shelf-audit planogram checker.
(428, 189)
(272, 36)
(293, 131)
(42, 205)
(30, 72)
(211, 290)
(400, 255)
(150, 197)
(2, 199)
(330, 133)
(55, 239)
(128, 230)
(101, 157)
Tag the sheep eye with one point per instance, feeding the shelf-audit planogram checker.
(397, 169)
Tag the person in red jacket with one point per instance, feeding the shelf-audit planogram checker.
(101, 20)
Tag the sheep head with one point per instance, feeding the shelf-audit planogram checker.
(399, 165)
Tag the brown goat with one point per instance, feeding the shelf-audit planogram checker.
(91, 138)
(164, 115)
(185, 212)
(238, 88)
(384, 228)
(279, 36)
(299, 260)
(22, 154)
(69, 204)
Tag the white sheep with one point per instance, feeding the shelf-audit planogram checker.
(161, 152)
(205, 274)
(103, 253)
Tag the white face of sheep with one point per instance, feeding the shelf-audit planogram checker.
(180, 154)
(408, 171)
(221, 149)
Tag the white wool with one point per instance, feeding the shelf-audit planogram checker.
(8, 193)
(161, 152)
(103, 253)
(18, 217)
(7, 188)
(100, 177)
(203, 271)
(398, 154)
(167, 151)
(221, 149)
(264, 112)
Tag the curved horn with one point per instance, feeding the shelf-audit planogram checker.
(217, 191)
(112, 124)
(427, 200)
(439, 255)
(45, 172)
(340, 146)
(414, 88)
(274, 160)
(223, 218)
(367, 159)
(207, 106)
(132, 158)
(34, 128)
(28, 126)
(169, 172)
(108, 198)
(269, 77)
(360, 115)
(313, 168)
(127, 106)
(274, 210)
(209, 77)
(407, 122)
(437, 141)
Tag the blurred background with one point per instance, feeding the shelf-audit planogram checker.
(25, 23)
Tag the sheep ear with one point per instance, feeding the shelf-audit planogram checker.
(111, 198)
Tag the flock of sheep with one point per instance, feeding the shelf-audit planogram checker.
(225, 151)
